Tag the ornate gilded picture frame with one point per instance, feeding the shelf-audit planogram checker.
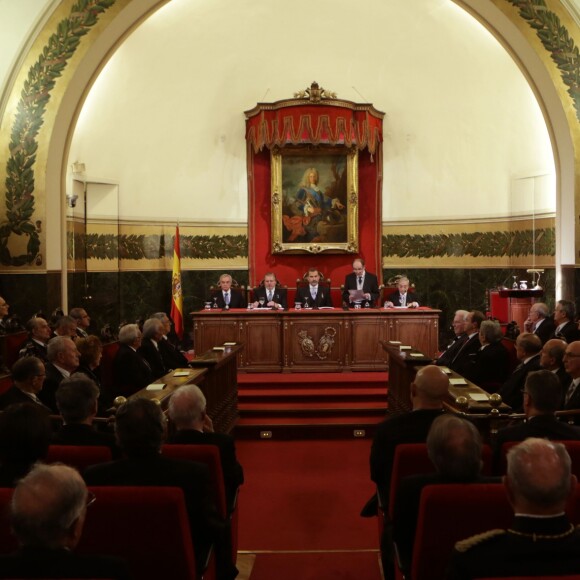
(314, 200)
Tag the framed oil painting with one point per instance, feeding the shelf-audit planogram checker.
(314, 200)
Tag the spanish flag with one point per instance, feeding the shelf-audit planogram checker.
(176, 296)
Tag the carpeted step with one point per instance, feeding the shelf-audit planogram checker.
(352, 380)
(312, 408)
(305, 394)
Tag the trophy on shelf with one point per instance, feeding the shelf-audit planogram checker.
(535, 281)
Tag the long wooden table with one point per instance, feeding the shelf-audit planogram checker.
(315, 340)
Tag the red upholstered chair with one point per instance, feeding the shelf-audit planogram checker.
(78, 456)
(210, 456)
(148, 526)
(106, 367)
(510, 346)
(573, 448)
(465, 509)
(8, 543)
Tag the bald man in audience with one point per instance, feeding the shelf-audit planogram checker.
(552, 359)
(428, 391)
(541, 539)
(38, 336)
(528, 348)
(540, 322)
(28, 375)
(63, 360)
(187, 411)
(47, 515)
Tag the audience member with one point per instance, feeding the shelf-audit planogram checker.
(541, 539)
(152, 334)
(77, 401)
(4, 307)
(564, 316)
(38, 336)
(63, 360)
(83, 321)
(542, 398)
(491, 366)
(572, 366)
(273, 296)
(47, 514)
(428, 391)
(467, 352)
(447, 356)
(401, 296)
(313, 295)
(187, 411)
(28, 375)
(173, 358)
(454, 446)
(91, 353)
(363, 281)
(141, 428)
(132, 372)
(552, 359)
(528, 348)
(65, 326)
(540, 322)
(226, 296)
(24, 439)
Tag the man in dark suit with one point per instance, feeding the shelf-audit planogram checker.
(173, 358)
(38, 337)
(63, 360)
(47, 514)
(452, 349)
(131, 371)
(528, 348)
(83, 321)
(564, 316)
(77, 401)
(542, 398)
(149, 349)
(552, 359)
(361, 280)
(193, 426)
(541, 539)
(572, 366)
(466, 353)
(402, 296)
(540, 322)
(454, 446)
(28, 375)
(226, 296)
(314, 295)
(141, 428)
(274, 297)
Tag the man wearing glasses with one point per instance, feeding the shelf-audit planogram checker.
(572, 366)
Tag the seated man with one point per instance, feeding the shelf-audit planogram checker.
(187, 412)
(464, 357)
(542, 398)
(173, 358)
(38, 337)
(63, 360)
(65, 326)
(552, 359)
(47, 514)
(363, 281)
(24, 439)
(564, 320)
(401, 296)
(83, 321)
(226, 296)
(540, 322)
(149, 349)
(541, 539)
(454, 446)
(77, 401)
(28, 375)
(452, 349)
(313, 295)
(141, 428)
(131, 371)
(274, 297)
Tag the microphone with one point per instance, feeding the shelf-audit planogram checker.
(345, 306)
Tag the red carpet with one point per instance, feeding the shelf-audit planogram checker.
(327, 565)
(305, 495)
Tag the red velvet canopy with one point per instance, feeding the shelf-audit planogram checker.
(314, 118)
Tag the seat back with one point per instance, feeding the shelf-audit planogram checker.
(106, 367)
(510, 346)
(8, 543)
(452, 512)
(413, 459)
(78, 456)
(147, 526)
